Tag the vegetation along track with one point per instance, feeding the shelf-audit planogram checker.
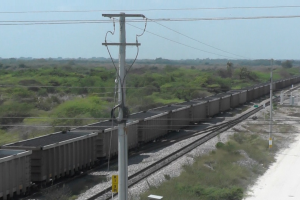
(211, 133)
(140, 175)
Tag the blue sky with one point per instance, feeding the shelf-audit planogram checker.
(255, 39)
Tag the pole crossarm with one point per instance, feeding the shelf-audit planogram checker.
(121, 44)
(125, 15)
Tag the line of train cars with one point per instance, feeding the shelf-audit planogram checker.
(44, 159)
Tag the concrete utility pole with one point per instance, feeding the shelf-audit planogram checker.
(122, 135)
(271, 94)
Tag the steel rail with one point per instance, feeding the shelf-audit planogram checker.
(147, 171)
(165, 161)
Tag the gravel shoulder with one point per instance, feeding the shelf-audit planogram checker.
(175, 168)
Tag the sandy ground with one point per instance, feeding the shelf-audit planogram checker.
(282, 180)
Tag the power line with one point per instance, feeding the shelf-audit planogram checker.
(224, 18)
(147, 10)
(180, 42)
(48, 21)
(64, 22)
(197, 40)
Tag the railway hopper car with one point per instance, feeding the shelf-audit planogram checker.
(250, 94)
(224, 101)
(274, 88)
(242, 95)
(278, 84)
(234, 98)
(178, 116)
(197, 110)
(261, 90)
(294, 80)
(256, 92)
(58, 154)
(285, 83)
(15, 174)
(107, 137)
(266, 89)
(289, 82)
(213, 105)
(151, 125)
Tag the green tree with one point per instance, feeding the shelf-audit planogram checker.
(287, 64)
(229, 69)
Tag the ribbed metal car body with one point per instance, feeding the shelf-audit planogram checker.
(224, 101)
(278, 84)
(178, 116)
(107, 137)
(58, 154)
(213, 105)
(261, 91)
(151, 125)
(243, 97)
(250, 94)
(266, 88)
(256, 92)
(294, 80)
(284, 83)
(234, 98)
(197, 110)
(288, 82)
(15, 174)
(274, 88)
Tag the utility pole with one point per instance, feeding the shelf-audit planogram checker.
(271, 94)
(122, 135)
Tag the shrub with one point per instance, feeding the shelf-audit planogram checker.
(220, 145)
(14, 109)
(80, 108)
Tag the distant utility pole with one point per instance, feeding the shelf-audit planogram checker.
(271, 94)
(122, 135)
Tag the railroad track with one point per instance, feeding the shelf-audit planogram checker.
(165, 161)
(210, 133)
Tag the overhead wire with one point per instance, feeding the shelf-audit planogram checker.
(197, 40)
(179, 42)
(18, 22)
(137, 36)
(147, 10)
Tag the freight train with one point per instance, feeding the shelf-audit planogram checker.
(47, 158)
